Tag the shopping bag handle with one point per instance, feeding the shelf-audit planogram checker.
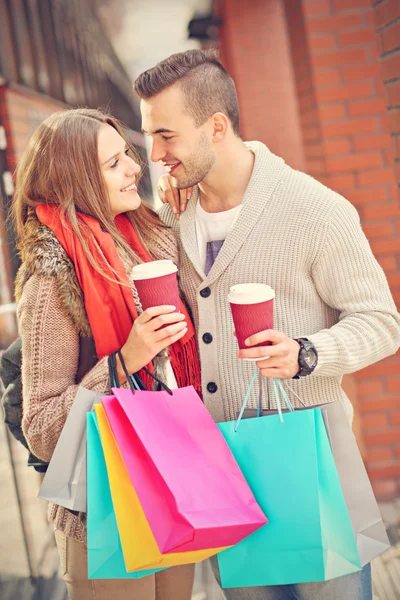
(112, 370)
(278, 388)
(134, 380)
(161, 384)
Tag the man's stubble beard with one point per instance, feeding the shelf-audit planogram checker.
(197, 167)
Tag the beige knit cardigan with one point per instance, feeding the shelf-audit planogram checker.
(306, 242)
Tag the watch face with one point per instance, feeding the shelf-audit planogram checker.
(310, 358)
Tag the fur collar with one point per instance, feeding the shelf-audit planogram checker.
(42, 254)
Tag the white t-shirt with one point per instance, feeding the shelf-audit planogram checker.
(211, 232)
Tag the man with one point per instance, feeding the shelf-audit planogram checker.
(253, 219)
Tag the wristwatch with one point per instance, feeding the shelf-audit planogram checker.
(308, 357)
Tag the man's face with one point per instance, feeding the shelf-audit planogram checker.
(185, 150)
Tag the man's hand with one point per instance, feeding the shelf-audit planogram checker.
(281, 359)
(177, 199)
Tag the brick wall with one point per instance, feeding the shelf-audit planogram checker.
(341, 52)
(357, 160)
(8, 327)
(20, 114)
(387, 23)
(25, 111)
(256, 51)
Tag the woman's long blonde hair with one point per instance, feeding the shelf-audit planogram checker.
(61, 166)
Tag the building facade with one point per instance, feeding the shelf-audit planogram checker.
(54, 54)
(319, 82)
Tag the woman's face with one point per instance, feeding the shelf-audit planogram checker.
(119, 170)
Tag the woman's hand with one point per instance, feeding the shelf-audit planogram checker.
(177, 199)
(146, 339)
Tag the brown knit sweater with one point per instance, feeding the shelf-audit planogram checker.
(51, 316)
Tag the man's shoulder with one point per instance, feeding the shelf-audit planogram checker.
(316, 198)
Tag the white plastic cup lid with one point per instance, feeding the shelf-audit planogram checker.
(150, 270)
(250, 293)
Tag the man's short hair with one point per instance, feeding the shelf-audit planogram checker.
(207, 86)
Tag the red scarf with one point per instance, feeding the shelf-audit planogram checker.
(110, 307)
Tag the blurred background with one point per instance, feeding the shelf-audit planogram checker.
(318, 82)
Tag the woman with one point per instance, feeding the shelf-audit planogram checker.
(81, 228)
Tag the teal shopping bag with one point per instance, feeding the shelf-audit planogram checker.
(105, 558)
(288, 463)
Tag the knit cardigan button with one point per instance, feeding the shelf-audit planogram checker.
(212, 387)
(207, 338)
(205, 292)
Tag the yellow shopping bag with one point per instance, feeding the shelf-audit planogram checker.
(139, 546)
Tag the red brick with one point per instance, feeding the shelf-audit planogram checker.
(371, 142)
(393, 90)
(397, 171)
(368, 196)
(314, 150)
(333, 23)
(390, 66)
(396, 298)
(379, 403)
(385, 489)
(385, 175)
(391, 37)
(306, 102)
(341, 182)
(388, 264)
(331, 112)
(340, 5)
(386, 12)
(354, 162)
(379, 44)
(362, 125)
(345, 92)
(389, 366)
(393, 384)
(368, 106)
(378, 230)
(394, 120)
(315, 167)
(386, 247)
(368, 71)
(336, 146)
(316, 7)
(374, 52)
(339, 57)
(370, 387)
(383, 438)
(311, 134)
(385, 472)
(388, 157)
(361, 37)
(375, 420)
(395, 418)
(396, 145)
(398, 451)
(322, 41)
(394, 280)
(326, 77)
(377, 454)
(383, 121)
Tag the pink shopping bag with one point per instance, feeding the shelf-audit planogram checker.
(190, 486)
